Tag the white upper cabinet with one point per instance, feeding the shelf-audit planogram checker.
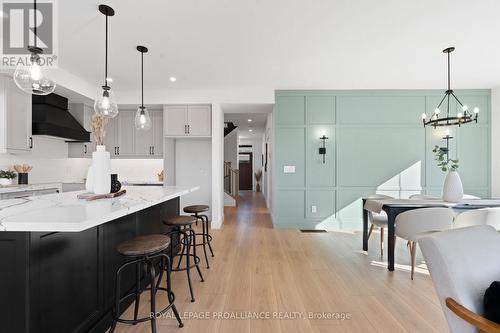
(15, 118)
(187, 120)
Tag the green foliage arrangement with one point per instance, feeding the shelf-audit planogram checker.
(7, 174)
(444, 163)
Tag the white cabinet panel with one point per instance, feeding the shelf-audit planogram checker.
(199, 120)
(157, 127)
(110, 139)
(126, 132)
(15, 114)
(175, 120)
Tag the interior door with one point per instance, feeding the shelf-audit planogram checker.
(175, 120)
(246, 170)
(199, 120)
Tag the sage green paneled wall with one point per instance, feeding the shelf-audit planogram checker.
(377, 143)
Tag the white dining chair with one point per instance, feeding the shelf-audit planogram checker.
(468, 218)
(463, 263)
(414, 224)
(423, 197)
(378, 220)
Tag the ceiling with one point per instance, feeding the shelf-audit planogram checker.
(258, 124)
(283, 44)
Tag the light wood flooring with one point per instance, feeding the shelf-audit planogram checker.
(263, 270)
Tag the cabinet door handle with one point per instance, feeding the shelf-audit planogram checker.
(150, 150)
(153, 150)
(85, 149)
(118, 150)
(31, 142)
(116, 153)
(189, 129)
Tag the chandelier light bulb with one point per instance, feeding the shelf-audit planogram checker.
(460, 115)
(424, 116)
(476, 110)
(436, 111)
(465, 107)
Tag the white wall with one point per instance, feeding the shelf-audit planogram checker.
(193, 167)
(231, 142)
(495, 142)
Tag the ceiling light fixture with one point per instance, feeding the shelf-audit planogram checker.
(462, 117)
(142, 118)
(105, 103)
(249, 120)
(31, 77)
(250, 130)
(172, 79)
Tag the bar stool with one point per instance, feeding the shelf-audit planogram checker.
(183, 228)
(196, 211)
(143, 251)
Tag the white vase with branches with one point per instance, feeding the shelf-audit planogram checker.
(101, 161)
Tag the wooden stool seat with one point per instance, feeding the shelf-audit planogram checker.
(196, 209)
(181, 220)
(143, 245)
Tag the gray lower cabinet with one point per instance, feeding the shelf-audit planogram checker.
(122, 140)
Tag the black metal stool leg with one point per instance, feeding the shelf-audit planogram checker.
(204, 242)
(116, 311)
(183, 247)
(193, 235)
(170, 294)
(188, 264)
(153, 295)
(137, 289)
(207, 234)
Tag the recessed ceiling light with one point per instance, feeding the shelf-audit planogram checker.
(249, 120)
(109, 79)
(173, 79)
(250, 130)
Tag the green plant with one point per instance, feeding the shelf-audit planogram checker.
(7, 174)
(443, 162)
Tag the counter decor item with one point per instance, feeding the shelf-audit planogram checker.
(6, 177)
(92, 196)
(101, 162)
(453, 190)
(161, 176)
(115, 184)
(22, 171)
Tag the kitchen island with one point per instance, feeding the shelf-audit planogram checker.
(58, 255)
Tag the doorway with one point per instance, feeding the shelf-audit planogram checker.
(245, 165)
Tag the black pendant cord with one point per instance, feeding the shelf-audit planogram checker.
(106, 56)
(35, 21)
(142, 81)
(449, 73)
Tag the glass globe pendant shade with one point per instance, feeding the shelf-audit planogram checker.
(142, 119)
(105, 103)
(32, 78)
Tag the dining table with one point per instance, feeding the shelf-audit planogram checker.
(394, 207)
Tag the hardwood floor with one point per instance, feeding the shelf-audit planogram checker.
(285, 272)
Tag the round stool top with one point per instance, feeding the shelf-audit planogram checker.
(180, 220)
(143, 245)
(196, 209)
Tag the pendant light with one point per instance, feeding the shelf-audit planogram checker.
(463, 116)
(105, 103)
(142, 119)
(31, 77)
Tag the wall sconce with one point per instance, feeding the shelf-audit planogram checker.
(322, 150)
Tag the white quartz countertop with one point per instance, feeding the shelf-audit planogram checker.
(28, 187)
(64, 212)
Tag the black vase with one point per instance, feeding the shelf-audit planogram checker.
(22, 178)
(115, 184)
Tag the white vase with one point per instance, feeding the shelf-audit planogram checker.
(453, 190)
(101, 171)
(89, 181)
(5, 182)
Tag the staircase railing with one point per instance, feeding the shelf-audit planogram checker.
(231, 180)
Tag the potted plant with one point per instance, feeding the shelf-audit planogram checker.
(6, 177)
(453, 190)
(258, 177)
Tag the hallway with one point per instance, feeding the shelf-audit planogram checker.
(272, 274)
